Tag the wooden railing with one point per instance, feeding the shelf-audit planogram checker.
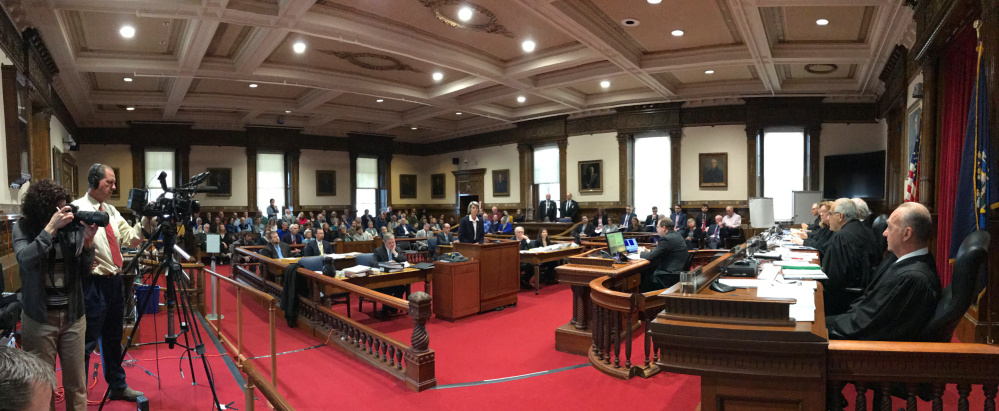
(912, 371)
(614, 315)
(413, 363)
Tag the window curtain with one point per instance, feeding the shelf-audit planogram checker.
(958, 67)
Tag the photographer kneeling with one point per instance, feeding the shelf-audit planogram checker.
(55, 254)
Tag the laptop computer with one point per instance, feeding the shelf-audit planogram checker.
(631, 245)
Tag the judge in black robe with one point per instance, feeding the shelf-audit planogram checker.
(896, 306)
(818, 238)
(848, 260)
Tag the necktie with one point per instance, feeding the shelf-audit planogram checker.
(320, 244)
(112, 243)
(277, 249)
(704, 222)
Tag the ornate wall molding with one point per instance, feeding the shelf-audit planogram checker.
(362, 60)
(491, 26)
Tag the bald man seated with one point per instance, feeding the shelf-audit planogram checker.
(904, 292)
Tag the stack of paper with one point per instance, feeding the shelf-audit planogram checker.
(802, 271)
(357, 271)
(804, 307)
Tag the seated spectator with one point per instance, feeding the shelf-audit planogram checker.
(519, 217)
(693, 235)
(426, 232)
(732, 223)
(504, 226)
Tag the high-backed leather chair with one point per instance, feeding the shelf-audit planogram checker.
(879, 226)
(958, 296)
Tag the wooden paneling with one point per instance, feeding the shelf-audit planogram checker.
(499, 271)
(456, 287)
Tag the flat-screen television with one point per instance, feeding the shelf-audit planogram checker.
(854, 175)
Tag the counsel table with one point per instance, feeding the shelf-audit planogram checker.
(541, 257)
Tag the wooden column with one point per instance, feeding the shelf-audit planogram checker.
(293, 157)
(928, 136)
(813, 141)
(40, 154)
(563, 179)
(353, 181)
(675, 137)
(752, 185)
(182, 156)
(138, 165)
(526, 154)
(990, 64)
(624, 181)
(251, 179)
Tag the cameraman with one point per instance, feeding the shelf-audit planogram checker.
(104, 291)
(55, 255)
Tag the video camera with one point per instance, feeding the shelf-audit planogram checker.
(100, 218)
(177, 207)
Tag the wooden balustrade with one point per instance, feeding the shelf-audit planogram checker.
(413, 363)
(911, 371)
(614, 315)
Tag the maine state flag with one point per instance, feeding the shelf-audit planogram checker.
(976, 185)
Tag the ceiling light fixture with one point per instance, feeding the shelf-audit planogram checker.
(709, 72)
(253, 85)
(458, 113)
(130, 108)
(299, 47)
(528, 45)
(127, 32)
(465, 13)
(379, 100)
(676, 33)
(630, 22)
(521, 99)
(655, 1)
(822, 22)
(438, 76)
(605, 84)
(287, 112)
(128, 79)
(412, 128)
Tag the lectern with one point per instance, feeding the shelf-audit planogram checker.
(499, 271)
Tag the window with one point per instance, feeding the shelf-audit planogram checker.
(270, 180)
(652, 178)
(783, 169)
(158, 161)
(367, 185)
(546, 172)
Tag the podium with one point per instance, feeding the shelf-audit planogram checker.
(499, 271)
(456, 289)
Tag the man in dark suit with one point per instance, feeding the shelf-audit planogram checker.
(318, 247)
(849, 258)
(904, 292)
(704, 218)
(584, 229)
(389, 252)
(276, 248)
(626, 219)
(679, 217)
(547, 209)
(570, 208)
(444, 237)
(714, 233)
(293, 236)
(666, 260)
(404, 229)
(652, 220)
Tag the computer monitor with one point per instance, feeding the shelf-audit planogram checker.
(615, 242)
(631, 245)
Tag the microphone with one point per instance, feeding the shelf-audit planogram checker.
(162, 179)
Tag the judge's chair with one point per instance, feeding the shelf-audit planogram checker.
(958, 296)
(879, 226)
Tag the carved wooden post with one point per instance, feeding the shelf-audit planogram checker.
(752, 134)
(526, 154)
(251, 180)
(183, 160)
(40, 152)
(563, 179)
(622, 154)
(928, 135)
(293, 157)
(813, 142)
(420, 359)
(138, 165)
(675, 137)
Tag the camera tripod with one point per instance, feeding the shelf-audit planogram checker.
(175, 279)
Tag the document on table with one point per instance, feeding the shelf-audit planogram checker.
(804, 307)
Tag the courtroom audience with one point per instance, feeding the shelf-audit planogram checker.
(584, 229)
(445, 237)
(850, 257)
(732, 222)
(679, 217)
(519, 217)
(704, 218)
(342, 235)
(666, 260)
(600, 220)
(276, 248)
(902, 296)
(693, 235)
(626, 219)
(652, 220)
(637, 225)
(504, 226)
(713, 236)
(371, 231)
(320, 246)
(426, 232)
(293, 236)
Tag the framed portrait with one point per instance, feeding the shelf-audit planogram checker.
(117, 187)
(407, 185)
(913, 123)
(325, 183)
(501, 183)
(222, 179)
(591, 176)
(437, 182)
(713, 169)
(67, 174)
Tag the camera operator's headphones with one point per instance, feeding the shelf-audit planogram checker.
(94, 177)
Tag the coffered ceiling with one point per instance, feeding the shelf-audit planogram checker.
(370, 65)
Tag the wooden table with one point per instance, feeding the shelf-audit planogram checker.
(576, 337)
(541, 257)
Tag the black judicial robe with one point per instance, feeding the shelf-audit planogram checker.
(897, 305)
(849, 259)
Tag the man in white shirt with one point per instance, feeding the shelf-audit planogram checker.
(732, 223)
(104, 290)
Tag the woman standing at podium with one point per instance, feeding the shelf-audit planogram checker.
(470, 229)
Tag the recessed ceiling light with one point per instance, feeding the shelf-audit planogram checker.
(655, 1)
(299, 47)
(438, 76)
(412, 128)
(128, 79)
(676, 33)
(528, 45)
(709, 72)
(130, 108)
(458, 113)
(379, 100)
(465, 13)
(127, 31)
(605, 84)
(822, 22)
(630, 22)
(253, 85)
(287, 112)
(521, 99)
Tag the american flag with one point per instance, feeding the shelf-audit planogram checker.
(911, 184)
